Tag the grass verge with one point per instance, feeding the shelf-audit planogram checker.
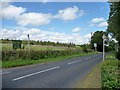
(20, 62)
(110, 73)
(92, 80)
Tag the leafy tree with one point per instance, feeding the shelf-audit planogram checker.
(113, 22)
(97, 38)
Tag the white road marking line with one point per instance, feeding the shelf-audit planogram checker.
(35, 73)
(73, 62)
(5, 73)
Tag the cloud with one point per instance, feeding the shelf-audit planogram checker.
(11, 11)
(97, 20)
(69, 13)
(38, 34)
(87, 36)
(34, 19)
(77, 29)
(12, 34)
(37, 19)
(102, 24)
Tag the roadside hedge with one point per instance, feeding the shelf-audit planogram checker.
(35, 55)
(110, 74)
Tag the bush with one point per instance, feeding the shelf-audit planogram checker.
(35, 55)
(110, 75)
(85, 49)
(118, 54)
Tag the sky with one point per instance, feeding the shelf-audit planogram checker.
(53, 21)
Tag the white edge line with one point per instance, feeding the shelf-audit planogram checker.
(35, 73)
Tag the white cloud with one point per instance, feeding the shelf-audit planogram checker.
(77, 29)
(102, 24)
(11, 11)
(34, 19)
(69, 13)
(37, 34)
(97, 20)
(87, 38)
(12, 34)
(37, 19)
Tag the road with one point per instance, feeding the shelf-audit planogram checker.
(62, 74)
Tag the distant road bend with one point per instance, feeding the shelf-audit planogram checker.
(62, 74)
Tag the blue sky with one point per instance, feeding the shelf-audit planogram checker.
(58, 21)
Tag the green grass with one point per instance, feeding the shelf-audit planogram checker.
(15, 63)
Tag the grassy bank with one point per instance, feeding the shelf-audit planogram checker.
(20, 62)
(105, 75)
(110, 74)
(92, 80)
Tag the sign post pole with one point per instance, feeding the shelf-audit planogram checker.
(104, 37)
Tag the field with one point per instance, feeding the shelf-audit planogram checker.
(8, 47)
(40, 52)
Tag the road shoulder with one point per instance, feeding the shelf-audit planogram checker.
(92, 80)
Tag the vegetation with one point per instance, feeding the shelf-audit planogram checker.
(97, 38)
(113, 23)
(22, 62)
(110, 73)
(36, 54)
(32, 42)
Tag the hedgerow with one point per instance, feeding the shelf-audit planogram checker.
(35, 55)
(110, 74)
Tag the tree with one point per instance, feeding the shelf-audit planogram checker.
(97, 38)
(113, 22)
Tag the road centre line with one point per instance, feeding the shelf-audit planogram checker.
(74, 62)
(25, 76)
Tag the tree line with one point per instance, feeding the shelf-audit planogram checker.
(33, 42)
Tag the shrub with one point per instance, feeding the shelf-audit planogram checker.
(110, 75)
(118, 54)
(85, 49)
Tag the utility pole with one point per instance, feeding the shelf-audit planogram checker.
(28, 45)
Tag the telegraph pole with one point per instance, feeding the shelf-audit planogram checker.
(28, 45)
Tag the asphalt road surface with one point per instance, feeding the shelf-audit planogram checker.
(62, 74)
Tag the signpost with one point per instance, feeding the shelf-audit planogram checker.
(103, 47)
(17, 44)
(95, 45)
(104, 39)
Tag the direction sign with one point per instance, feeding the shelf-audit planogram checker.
(95, 44)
